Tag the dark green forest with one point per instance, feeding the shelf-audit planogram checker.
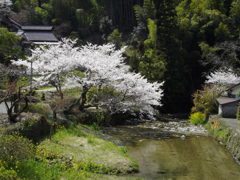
(176, 41)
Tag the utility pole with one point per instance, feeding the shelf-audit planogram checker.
(31, 76)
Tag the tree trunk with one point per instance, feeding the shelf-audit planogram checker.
(12, 116)
(83, 98)
(54, 115)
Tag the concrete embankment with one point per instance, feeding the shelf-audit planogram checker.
(227, 132)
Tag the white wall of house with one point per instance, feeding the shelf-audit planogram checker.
(3, 109)
(220, 110)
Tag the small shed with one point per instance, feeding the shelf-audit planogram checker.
(227, 107)
(229, 102)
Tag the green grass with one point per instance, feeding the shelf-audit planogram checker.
(219, 131)
(33, 169)
(40, 108)
(73, 92)
(92, 127)
(46, 87)
(222, 134)
(71, 154)
(89, 152)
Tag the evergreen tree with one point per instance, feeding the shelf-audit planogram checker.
(9, 46)
(153, 64)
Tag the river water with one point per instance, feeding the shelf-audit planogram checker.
(165, 156)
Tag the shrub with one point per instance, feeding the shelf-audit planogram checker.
(6, 174)
(40, 108)
(14, 148)
(197, 118)
(115, 37)
(218, 130)
(205, 100)
(98, 117)
(36, 127)
(222, 134)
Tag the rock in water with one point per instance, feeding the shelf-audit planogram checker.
(183, 137)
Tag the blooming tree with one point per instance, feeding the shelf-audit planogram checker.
(4, 3)
(105, 67)
(224, 77)
(101, 67)
(50, 64)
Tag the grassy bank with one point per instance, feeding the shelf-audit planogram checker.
(90, 153)
(72, 153)
(226, 135)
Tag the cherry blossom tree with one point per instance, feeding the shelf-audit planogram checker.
(224, 77)
(93, 66)
(5, 3)
(50, 64)
(104, 67)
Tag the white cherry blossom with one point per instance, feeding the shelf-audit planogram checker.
(101, 66)
(225, 77)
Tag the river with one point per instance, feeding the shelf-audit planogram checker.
(166, 156)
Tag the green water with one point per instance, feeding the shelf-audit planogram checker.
(193, 158)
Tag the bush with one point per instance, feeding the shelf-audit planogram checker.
(40, 108)
(222, 134)
(14, 148)
(96, 117)
(218, 130)
(197, 118)
(205, 100)
(6, 174)
(36, 127)
(115, 37)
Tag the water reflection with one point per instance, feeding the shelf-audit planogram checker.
(194, 158)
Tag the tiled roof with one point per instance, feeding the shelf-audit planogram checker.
(36, 28)
(226, 100)
(40, 36)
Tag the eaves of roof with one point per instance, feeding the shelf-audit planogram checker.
(227, 100)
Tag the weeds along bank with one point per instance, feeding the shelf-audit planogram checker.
(226, 135)
(60, 152)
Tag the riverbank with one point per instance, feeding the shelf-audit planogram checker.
(77, 151)
(71, 152)
(227, 132)
(89, 152)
